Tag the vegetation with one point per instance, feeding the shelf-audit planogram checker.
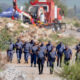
(4, 38)
(71, 72)
(56, 39)
(77, 24)
(43, 40)
(62, 6)
(2, 63)
(0, 10)
(67, 40)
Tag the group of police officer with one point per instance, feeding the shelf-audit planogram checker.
(40, 53)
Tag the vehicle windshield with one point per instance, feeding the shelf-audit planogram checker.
(33, 9)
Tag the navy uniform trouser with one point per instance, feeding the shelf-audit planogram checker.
(26, 55)
(40, 64)
(33, 58)
(48, 56)
(66, 61)
(10, 54)
(19, 54)
(52, 60)
(59, 59)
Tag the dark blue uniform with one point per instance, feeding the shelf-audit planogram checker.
(10, 51)
(26, 47)
(43, 48)
(41, 56)
(60, 48)
(52, 60)
(68, 54)
(34, 55)
(78, 52)
(49, 49)
(19, 46)
(31, 45)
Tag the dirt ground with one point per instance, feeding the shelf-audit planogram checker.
(22, 71)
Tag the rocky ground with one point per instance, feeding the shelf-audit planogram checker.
(22, 71)
(14, 71)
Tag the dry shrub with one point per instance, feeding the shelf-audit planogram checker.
(3, 61)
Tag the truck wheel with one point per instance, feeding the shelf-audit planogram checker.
(57, 25)
(26, 20)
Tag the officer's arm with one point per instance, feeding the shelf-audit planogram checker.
(76, 47)
(13, 46)
(56, 48)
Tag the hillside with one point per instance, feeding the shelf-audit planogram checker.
(10, 29)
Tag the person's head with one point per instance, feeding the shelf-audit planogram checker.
(26, 42)
(66, 47)
(18, 40)
(32, 41)
(61, 43)
(42, 43)
(49, 42)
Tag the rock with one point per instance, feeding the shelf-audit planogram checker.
(9, 25)
(19, 78)
(25, 25)
(1, 21)
(74, 28)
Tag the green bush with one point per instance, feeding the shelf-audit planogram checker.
(77, 24)
(66, 40)
(0, 10)
(71, 72)
(4, 38)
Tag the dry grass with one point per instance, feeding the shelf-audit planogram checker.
(3, 61)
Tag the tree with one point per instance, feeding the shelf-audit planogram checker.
(61, 5)
(27, 4)
(0, 10)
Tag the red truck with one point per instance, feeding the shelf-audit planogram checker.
(51, 11)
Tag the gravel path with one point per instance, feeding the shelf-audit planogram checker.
(73, 33)
(23, 71)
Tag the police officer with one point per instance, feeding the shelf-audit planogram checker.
(60, 48)
(78, 52)
(67, 55)
(19, 46)
(49, 47)
(31, 43)
(53, 56)
(34, 54)
(41, 57)
(26, 48)
(43, 48)
(10, 51)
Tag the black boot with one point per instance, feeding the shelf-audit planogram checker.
(51, 72)
(34, 65)
(18, 61)
(31, 65)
